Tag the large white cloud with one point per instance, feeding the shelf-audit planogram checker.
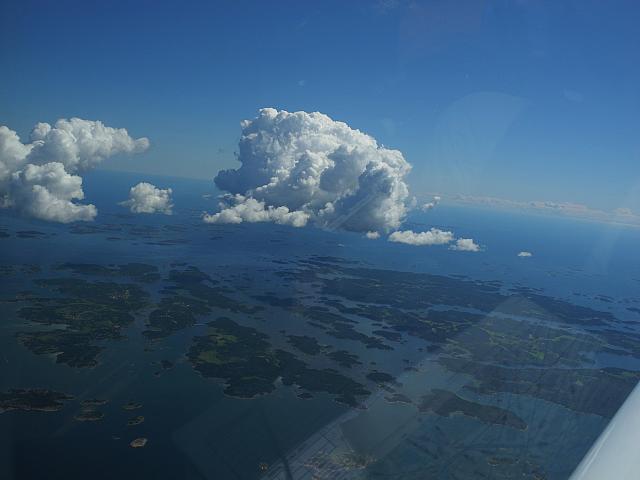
(12, 154)
(317, 169)
(47, 192)
(147, 198)
(433, 236)
(36, 178)
(81, 144)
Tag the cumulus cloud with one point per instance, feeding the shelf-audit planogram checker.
(430, 205)
(81, 144)
(525, 254)
(238, 209)
(36, 179)
(12, 153)
(372, 235)
(147, 198)
(465, 245)
(299, 167)
(433, 236)
(47, 192)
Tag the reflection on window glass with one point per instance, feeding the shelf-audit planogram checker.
(364, 240)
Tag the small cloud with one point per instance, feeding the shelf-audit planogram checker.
(432, 204)
(525, 254)
(372, 235)
(147, 198)
(430, 237)
(465, 245)
(623, 212)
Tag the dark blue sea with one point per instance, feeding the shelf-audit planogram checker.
(194, 431)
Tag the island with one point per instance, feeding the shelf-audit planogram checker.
(189, 294)
(139, 272)
(32, 400)
(133, 421)
(138, 442)
(445, 404)
(244, 358)
(85, 314)
(305, 344)
(131, 406)
(89, 415)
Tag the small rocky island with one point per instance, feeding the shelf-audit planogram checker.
(138, 442)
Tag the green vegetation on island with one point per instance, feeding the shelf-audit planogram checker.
(37, 399)
(344, 358)
(191, 294)
(89, 415)
(139, 272)
(380, 377)
(93, 402)
(131, 405)
(244, 358)
(587, 390)
(305, 344)
(82, 318)
(138, 442)
(517, 341)
(133, 421)
(445, 404)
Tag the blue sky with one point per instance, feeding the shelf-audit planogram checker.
(515, 99)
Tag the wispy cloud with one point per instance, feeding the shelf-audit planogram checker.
(620, 216)
(432, 204)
